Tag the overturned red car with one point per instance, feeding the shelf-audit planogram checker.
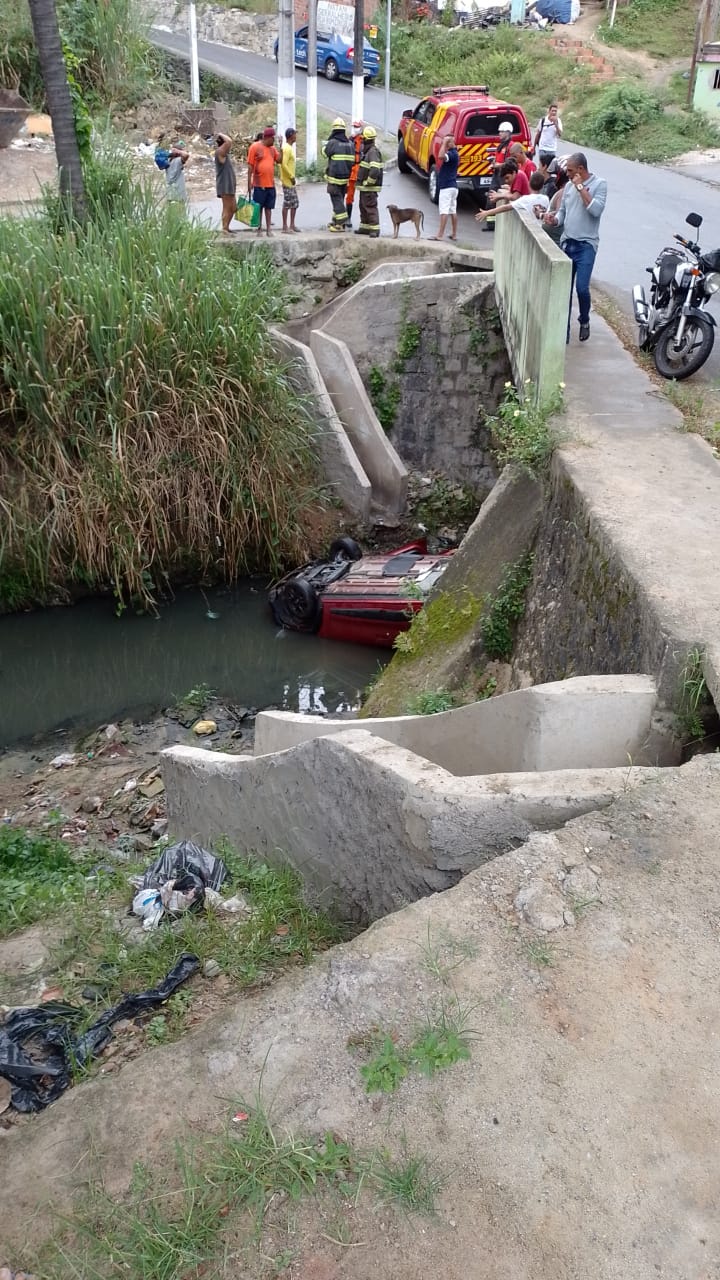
(357, 598)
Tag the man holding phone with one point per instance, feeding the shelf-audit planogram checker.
(578, 216)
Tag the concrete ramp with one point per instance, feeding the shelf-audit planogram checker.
(590, 722)
(368, 825)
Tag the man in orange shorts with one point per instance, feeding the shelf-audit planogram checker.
(262, 158)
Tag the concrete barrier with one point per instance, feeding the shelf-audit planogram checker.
(343, 470)
(532, 286)
(379, 460)
(591, 722)
(368, 825)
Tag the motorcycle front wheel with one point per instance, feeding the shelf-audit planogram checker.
(695, 347)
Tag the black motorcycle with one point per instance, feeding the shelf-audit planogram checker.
(675, 324)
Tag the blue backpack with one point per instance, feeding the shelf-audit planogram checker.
(162, 158)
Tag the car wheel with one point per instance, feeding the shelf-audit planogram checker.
(348, 548)
(369, 79)
(403, 165)
(296, 605)
(332, 70)
(432, 185)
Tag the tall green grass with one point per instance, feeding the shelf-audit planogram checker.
(109, 39)
(146, 427)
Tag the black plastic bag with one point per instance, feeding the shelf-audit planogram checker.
(37, 1081)
(186, 858)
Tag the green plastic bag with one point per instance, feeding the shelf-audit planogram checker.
(248, 212)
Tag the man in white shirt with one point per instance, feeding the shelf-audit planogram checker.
(547, 136)
(536, 203)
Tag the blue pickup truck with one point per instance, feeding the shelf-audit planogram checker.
(335, 55)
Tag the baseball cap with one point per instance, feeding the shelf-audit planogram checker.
(506, 127)
(357, 124)
(269, 132)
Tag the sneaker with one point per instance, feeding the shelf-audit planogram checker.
(584, 332)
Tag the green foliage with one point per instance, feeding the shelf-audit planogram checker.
(38, 875)
(145, 422)
(440, 1044)
(214, 1196)
(279, 930)
(519, 66)
(508, 606)
(350, 272)
(447, 504)
(195, 700)
(106, 50)
(520, 429)
(386, 1070)
(385, 395)
(81, 113)
(430, 703)
(693, 696)
(661, 28)
(440, 622)
(408, 344)
(633, 121)
(409, 1181)
(619, 111)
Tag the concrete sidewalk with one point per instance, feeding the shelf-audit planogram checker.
(652, 485)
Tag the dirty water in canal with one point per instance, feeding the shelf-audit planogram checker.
(81, 666)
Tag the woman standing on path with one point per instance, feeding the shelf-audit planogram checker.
(225, 180)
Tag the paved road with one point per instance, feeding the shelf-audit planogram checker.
(645, 204)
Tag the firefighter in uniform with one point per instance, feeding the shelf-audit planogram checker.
(370, 180)
(340, 155)
(356, 137)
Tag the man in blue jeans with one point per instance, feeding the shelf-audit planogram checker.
(578, 216)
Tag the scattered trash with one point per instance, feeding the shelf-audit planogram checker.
(204, 727)
(211, 969)
(176, 882)
(240, 1117)
(130, 785)
(153, 788)
(65, 760)
(48, 1031)
(91, 804)
(111, 732)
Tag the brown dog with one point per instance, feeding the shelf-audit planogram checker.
(406, 215)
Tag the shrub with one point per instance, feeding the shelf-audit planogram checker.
(146, 427)
(618, 112)
(109, 41)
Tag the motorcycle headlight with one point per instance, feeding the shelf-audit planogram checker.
(712, 282)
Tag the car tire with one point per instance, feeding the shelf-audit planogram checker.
(402, 159)
(331, 70)
(348, 548)
(432, 185)
(369, 80)
(296, 606)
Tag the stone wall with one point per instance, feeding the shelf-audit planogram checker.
(453, 374)
(255, 32)
(586, 612)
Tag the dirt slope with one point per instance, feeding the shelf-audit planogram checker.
(581, 1138)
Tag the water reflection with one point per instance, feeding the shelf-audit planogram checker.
(82, 666)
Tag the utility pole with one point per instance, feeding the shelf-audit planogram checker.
(311, 101)
(358, 80)
(286, 67)
(194, 68)
(388, 19)
(705, 31)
